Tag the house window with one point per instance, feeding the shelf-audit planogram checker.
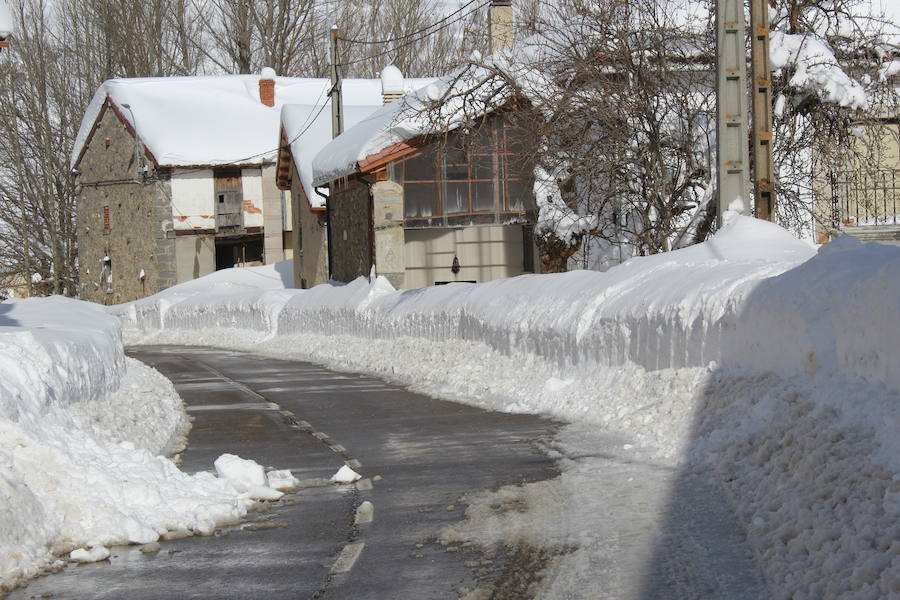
(484, 173)
(419, 176)
(107, 223)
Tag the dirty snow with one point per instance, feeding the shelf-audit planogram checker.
(346, 475)
(82, 434)
(751, 361)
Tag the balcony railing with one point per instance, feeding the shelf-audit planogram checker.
(865, 199)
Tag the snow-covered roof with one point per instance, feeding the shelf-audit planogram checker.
(308, 125)
(6, 20)
(212, 120)
(470, 91)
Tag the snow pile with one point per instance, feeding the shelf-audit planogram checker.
(82, 428)
(346, 475)
(750, 357)
(815, 69)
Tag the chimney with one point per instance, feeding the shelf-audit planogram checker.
(391, 84)
(267, 86)
(500, 23)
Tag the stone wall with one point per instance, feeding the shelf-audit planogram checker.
(390, 240)
(349, 211)
(139, 218)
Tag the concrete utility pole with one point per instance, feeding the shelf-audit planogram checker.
(731, 104)
(337, 99)
(763, 169)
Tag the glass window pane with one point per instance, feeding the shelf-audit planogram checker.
(516, 197)
(484, 196)
(395, 172)
(420, 168)
(456, 197)
(456, 172)
(482, 167)
(419, 199)
(515, 139)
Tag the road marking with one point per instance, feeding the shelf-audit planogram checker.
(338, 448)
(365, 513)
(354, 464)
(236, 384)
(320, 436)
(347, 558)
(364, 485)
(236, 406)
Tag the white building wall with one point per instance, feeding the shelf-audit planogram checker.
(251, 186)
(193, 199)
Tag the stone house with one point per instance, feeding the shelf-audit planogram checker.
(424, 205)
(305, 130)
(176, 179)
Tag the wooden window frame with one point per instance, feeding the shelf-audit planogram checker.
(501, 158)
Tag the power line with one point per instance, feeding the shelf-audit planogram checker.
(306, 125)
(417, 39)
(411, 33)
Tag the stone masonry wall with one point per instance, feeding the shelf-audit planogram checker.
(140, 216)
(351, 247)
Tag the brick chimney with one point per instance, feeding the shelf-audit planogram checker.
(267, 86)
(391, 84)
(500, 23)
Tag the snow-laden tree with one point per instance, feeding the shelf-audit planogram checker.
(614, 100)
(617, 100)
(834, 91)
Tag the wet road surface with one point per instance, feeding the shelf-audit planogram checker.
(418, 456)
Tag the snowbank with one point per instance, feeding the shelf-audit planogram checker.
(82, 429)
(751, 357)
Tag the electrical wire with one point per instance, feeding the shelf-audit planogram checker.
(306, 125)
(411, 33)
(414, 40)
(430, 29)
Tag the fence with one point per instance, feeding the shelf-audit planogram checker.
(865, 199)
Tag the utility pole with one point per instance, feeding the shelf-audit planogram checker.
(763, 169)
(731, 106)
(337, 99)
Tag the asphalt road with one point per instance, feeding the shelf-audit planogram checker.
(418, 455)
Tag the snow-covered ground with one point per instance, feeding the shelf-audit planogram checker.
(752, 359)
(84, 432)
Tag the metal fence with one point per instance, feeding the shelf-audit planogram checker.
(865, 198)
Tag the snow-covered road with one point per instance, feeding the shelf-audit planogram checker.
(613, 524)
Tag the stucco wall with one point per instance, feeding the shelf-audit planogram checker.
(484, 253)
(351, 247)
(252, 191)
(309, 240)
(273, 220)
(193, 199)
(195, 256)
(140, 216)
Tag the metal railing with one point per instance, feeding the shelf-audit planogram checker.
(865, 198)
